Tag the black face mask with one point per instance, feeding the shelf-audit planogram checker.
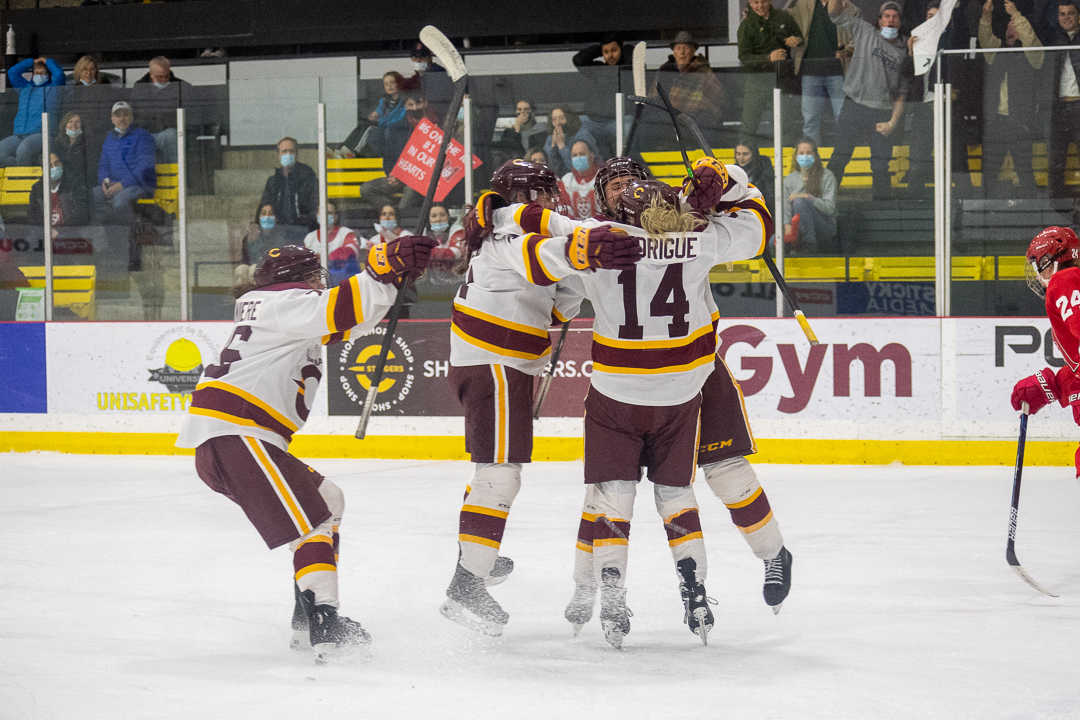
(416, 114)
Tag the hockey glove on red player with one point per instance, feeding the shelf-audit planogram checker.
(712, 182)
(391, 262)
(1038, 391)
(602, 248)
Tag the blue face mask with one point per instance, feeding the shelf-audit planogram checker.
(331, 219)
(41, 79)
(88, 82)
(804, 161)
(461, 114)
(55, 173)
(73, 133)
(580, 163)
(288, 160)
(161, 86)
(889, 33)
(267, 222)
(388, 224)
(440, 227)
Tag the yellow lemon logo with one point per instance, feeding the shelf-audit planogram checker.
(183, 355)
(363, 367)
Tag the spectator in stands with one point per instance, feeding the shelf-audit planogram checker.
(37, 95)
(1010, 98)
(389, 112)
(263, 235)
(343, 252)
(758, 168)
(440, 270)
(380, 192)
(809, 200)
(422, 63)
(69, 202)
(86, 72)
(524, 132)
(70, 144)
(765, 37)
(387, 228)
(536, 155)
(126, 171)
(157, 95)
(577, 185)
(1065, 125)
(293, 192)
(600, 65)
(818, 64)
(566, 130)
(876, 83)
(693, 88)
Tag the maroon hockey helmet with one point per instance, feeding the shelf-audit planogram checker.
(1052, 246)
(516, 176)
(286, 264)
(638, 195)
(613, 169)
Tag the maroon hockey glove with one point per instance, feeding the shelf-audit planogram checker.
(480, 218)
(602, 248)
(1037, 391)
(392, 261)
(712, 182)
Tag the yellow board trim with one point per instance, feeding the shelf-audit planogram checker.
(564, 449)
(480, 510)
(317, 567)
(478, 540)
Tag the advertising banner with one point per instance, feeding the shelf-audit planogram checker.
(417, 160)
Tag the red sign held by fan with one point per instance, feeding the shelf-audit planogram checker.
(417, 160)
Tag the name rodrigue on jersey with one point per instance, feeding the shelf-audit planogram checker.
(674, 248)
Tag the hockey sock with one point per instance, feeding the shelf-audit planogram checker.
(583, 554)
(735, 483)
(488, 499)
(315, 568)
(678, 507)
(611, 530)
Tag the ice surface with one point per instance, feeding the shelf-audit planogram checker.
(130, 590)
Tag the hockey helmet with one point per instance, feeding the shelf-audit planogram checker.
(534, 179)
(1048, 249)
(612, 169)
(638, 195)
(287, 264)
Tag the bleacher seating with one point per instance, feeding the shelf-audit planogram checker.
(73, 287)
(343, 177)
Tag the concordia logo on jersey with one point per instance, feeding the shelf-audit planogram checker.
(356, 362)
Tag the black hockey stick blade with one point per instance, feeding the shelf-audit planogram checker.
(1010, 546)
(545, 381)
(444, 50)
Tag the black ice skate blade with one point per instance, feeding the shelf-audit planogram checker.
(331, 654)
(455, 611)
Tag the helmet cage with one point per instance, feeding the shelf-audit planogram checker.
(613, 169)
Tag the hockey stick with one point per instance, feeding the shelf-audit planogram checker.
(638, 66)
(443, 49)
(545, 382)
(789, 297)
(1010, 547)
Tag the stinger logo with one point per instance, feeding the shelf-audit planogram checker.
(356, 363)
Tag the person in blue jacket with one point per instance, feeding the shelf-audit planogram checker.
(37, 95)
(126, 172)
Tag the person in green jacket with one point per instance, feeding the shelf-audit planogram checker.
(764, 38)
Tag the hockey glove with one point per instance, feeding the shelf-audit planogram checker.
(712, 182)
(602, 248)
(408, 255)
(479, 220)
(1037, 391)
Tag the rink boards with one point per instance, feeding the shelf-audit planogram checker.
(918, 390)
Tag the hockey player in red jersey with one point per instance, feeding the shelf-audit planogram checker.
(246, 408)
(1053, 272)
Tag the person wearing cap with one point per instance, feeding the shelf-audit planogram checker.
(695, 89)
(37, 95)
(126, 171)
(422, 63)
(874, 89)
(765, 37)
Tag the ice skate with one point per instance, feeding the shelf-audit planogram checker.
(468, 603)
(333, 637)
(301, 633)
(697, 616)
(777, 579)
(580, 609)
(503, 567)
(614, 615)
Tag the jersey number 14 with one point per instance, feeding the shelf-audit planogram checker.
(668, 301)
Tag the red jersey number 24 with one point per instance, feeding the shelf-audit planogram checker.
(1064, 304)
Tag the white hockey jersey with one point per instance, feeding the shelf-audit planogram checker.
(579, 194)
(340, 237)
(654, 337)
(265, 380)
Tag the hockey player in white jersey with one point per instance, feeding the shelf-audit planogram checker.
(246, 408)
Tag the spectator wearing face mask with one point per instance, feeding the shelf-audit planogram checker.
(344, 250)
(387, 228)
(422, 63)
(87, 73)
(525, 131)
(577, 185)
(440, 270)
(875, 85)
(293, 192)
(37, 95)
(809, 200)
(157, 95)
(264, 234)
(70, 144)
(126, 171)
(566, 130)
(68, 202)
